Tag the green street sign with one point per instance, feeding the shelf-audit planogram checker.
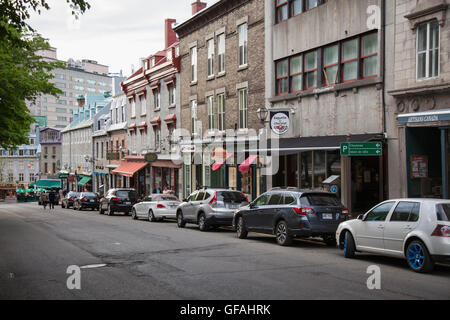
(361, 149)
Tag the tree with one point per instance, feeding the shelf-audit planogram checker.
(24, 76)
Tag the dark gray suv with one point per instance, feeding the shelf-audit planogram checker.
(290, 213)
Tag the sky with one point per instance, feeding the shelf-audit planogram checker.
(116, 33)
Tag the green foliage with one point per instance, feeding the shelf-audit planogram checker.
(24, 76)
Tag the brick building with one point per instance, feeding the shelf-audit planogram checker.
(222, 86)
(419, 99)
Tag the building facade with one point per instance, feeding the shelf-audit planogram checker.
(153, 113)
(324, 87)
(80, 77)
(51, 153)
(419, 100)
(222, 87)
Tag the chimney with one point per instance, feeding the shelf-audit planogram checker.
(197, 6)
(171, 36)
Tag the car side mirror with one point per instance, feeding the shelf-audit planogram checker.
(361, 217)
(251, 205)
(185, 200)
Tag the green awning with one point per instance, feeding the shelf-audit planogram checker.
(83, 181)
(47, 184)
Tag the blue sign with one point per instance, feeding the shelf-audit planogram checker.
(334, 189)
(440, 115)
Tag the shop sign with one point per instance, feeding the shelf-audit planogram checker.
(280, 122)
(361, 149)
(150, 157)
(187, 149)
(419, 167)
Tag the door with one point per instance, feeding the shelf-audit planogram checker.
(402, 221)
(189, 208)
(370, 232)
(253, 218)
(269, 212)
(143, 207)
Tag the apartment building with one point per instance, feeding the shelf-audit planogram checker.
(51, 152)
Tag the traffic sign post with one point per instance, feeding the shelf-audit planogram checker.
(361, 149)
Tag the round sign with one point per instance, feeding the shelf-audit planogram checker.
(280, 123)
(334, 189)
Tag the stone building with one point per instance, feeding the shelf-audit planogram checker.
(419, 100)
(222, 86)
(50, 140)
(325, 67)
(153, 113)
(100, 140)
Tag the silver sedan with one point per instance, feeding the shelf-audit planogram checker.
(156, 207)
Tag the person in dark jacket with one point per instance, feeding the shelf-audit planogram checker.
(52, 199)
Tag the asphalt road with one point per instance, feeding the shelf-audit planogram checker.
(145, 260)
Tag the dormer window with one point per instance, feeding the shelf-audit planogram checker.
(152, 62)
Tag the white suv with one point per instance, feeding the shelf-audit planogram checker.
(415, 229)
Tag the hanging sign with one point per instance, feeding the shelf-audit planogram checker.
(280, 122)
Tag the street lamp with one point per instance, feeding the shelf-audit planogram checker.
(262, 114)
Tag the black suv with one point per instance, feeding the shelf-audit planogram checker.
(86, 200)
(289, 213)
(118, 200)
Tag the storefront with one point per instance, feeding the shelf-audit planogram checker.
(424, 140)
(134, 168)
(165, 176)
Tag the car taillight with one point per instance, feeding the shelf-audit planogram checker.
(160, 206)
(70, 199)
(84, 200)
(303, 211)
(115, 199)
(441, 231)
(346, 212)
(214, 199)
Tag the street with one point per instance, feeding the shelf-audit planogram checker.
(158, 260)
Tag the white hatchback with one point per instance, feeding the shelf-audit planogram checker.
(415, 229)
(156, 207)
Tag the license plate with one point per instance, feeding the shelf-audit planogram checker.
(127, 202)
(92, 200)
(327, 216)
(233, 206)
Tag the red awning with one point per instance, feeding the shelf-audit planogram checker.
(218, 164)
(165, 164)
(128, 169)
(245, 166)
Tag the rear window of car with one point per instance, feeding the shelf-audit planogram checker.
(73, 194)
(168, 198)
(126, 194)
(228, 196)
(443, 211)
(322, 200)
(89, 194)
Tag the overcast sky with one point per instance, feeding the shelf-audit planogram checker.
(113, 32)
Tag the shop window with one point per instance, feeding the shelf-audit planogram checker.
(307, 170)
(319, 168)
(428, 50)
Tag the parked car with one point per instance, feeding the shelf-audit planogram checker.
(86, 200)
(290, 213)
(118, 200)
(210, 208)
(156, 207)
(417, 230)
(67, 201)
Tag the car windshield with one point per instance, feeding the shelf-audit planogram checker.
(229, 196)
(443, 211)
(126, 194)
(322, 200)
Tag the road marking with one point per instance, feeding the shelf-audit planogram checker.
(93, 266)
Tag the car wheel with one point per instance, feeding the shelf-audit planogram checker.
(180, 221)
(133, 214)
(330, 241)
(240, 229)
(282, 234)
(109, 212)
(349, 245)
(151, 216)
(418, 257)
(202, 225)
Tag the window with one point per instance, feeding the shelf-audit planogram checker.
(275, 199)
(443, 211)
(53, 150)
(243, 109)
(428, 50)
(296, 76)
(296, 7)
(243, 44)
(102, 149)
(60, 76)
(221, 111)
(133, 108)
(31, 176)
(331, 64)
(350, 60)
(406, 211)
(60, 85)
(194, 116)
(21, 177)
(211, 117)
(283, 77)
(143, 105)
(193, 64)
(171, 89)
(288, 199)
(369, 55)
(10, 177)
(312, 4)
(157, 137)
(58, 101)
(221, 53)
(210, 46)
(262, 200)
(311, 70)
(61, 110)
(123, 114)
(380, 213)
(282, 10)
(156, 98)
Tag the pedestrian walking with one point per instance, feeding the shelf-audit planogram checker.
(52, 199)
(43, 199)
